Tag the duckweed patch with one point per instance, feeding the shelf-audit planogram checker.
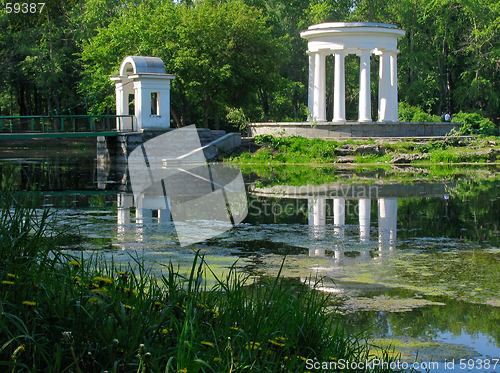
(385, 303)
(412, 349)
(472, 276)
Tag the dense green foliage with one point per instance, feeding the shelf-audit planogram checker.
(408, 113)
(244, 60)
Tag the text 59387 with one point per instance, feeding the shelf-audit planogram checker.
(24, 7)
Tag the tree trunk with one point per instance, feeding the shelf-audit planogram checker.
(21, 101)
(175, 116)
(265, 104)
(207, 105)
(216, 119)
(51, 57)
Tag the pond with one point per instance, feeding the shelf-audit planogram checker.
(412, 255)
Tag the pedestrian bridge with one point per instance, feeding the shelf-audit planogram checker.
(64, 126)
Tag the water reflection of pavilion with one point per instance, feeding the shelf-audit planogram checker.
(387, 222)
(330, 199)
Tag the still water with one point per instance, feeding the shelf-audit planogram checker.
(411, 255)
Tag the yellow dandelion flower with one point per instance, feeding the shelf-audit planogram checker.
(18, 351)
(234, 328)
(75, 263)
(8, 283)
(103, 279)
(124, 275)
(301, 358)
(217, 359)
(128, 308)
(93, 300)
(214, 312)
(76, 278)
(252, 346)
(100, 290)
(276, 343)
(12, 276)
(30, 303)
(182, 370)
(207, 344)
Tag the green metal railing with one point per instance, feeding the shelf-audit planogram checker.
(46, 124)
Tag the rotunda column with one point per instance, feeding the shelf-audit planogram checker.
(384, 87)
(364, 210)
(319, 106)
(339, 217)
(310, 95)
(339, 212)
(339, 87)
(387, 223)
(365, 104)
(393, 107)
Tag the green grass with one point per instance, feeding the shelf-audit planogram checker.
(65, 314)
(372, 159)
(294, 150)
(299, 150)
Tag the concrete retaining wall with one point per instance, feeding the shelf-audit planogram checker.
(352, 129)
(117, 149)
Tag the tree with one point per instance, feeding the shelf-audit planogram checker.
(219, 53)
(225, 55)
(38, 62)
(288, 99)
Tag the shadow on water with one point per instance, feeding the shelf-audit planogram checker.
(412, 263)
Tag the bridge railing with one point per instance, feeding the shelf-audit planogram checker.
(67, 123)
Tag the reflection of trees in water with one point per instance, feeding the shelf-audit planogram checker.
(55, 174)
(456, 317)
(472, 212)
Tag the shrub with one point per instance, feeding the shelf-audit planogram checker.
(475, 124)
(408, 113)
(237, 118)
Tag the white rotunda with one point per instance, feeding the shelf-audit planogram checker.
(362, 39)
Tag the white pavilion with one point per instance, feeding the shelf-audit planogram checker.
(362, 39)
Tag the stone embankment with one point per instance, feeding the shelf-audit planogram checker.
(346, 153)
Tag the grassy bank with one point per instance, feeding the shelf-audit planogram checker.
(65, 314)
(299, 150)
